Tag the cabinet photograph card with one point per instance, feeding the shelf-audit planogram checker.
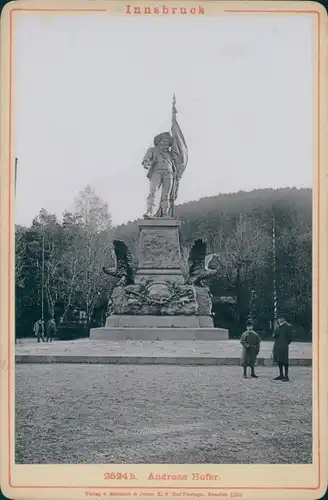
(163, 249)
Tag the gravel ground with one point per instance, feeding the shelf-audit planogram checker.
(163, 414)
(207, 348)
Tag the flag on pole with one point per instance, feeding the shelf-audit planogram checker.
(179, 146)
(179, 152)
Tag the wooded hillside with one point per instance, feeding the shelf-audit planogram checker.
(238, 228)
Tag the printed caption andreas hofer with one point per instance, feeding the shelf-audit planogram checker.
(205, 477)
(194, 476)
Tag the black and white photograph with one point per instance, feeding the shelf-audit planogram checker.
(164, 168)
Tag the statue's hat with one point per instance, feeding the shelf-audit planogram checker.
(159, 137)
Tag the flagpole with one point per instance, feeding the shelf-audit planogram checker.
(42, 276)
(251, 315)
(274, 283)
(174, 109)
(174, 112)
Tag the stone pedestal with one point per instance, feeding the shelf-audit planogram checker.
(159, 306)
(186, 334)
(155, 298)
(148, 321)
(159, 251)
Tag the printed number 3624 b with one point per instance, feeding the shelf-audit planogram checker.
(119, 475)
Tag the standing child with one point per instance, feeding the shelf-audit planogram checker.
(251, 347)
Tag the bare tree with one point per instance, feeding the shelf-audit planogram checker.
(95, 249)
(241, 255)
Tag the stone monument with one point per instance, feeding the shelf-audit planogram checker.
(157, 301)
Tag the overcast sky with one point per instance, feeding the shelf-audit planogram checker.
(91, 93)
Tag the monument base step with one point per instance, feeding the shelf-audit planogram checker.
(147, 360)
(116, 334)
(148, 321)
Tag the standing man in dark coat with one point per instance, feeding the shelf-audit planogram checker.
(39, 330)
(51, 330)
(282, 339)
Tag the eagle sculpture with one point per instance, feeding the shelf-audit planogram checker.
(199, 270)
(123, 271)
(122, 274)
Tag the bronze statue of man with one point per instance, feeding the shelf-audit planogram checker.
(165, 162)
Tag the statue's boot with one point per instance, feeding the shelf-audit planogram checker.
(165, 208)
(150, 208)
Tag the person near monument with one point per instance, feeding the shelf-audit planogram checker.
(165, 162)
(51, 330)
(39, 330)
(280, 354)
(250, 341)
